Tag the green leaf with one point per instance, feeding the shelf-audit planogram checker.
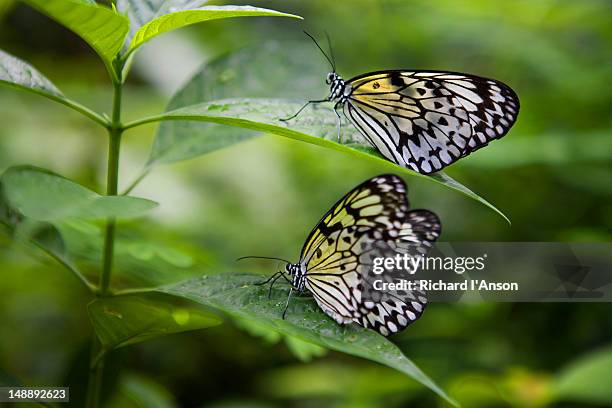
(250, 72)
(256, 72)
(48, 239)
(315, 128)
(21, 75)
(43, 236)
(102, 28)
(140, 12)
(178, 19)
(239, 296)
(149, 251)
(587, 379)
(123, 320)
(45, 196)
(139, 259)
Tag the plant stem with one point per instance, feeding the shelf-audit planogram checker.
(96, 374)
(114, 144)
(133, 291)
(152, 119)
(115, 131)
(84, 110)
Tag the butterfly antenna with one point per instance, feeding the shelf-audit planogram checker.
(331, 51)
(262, 257)
(321, 49)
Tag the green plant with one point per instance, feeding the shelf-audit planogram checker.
(44, 209)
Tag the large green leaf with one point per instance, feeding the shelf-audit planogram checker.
(250, 72)
(239, 296)
(587, 380)
(264, 115)
(102, 28)
(45, 196)
(21, 75)
(178, 19)
(123, 320)
(140, 12)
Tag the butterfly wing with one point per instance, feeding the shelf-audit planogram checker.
(428, 120)
(370, 221)
(389, 311)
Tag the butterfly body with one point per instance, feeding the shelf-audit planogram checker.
(339, 91)
(297, 272)
(335, 266)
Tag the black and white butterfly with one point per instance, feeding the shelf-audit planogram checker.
(423, 120)
(336, 261)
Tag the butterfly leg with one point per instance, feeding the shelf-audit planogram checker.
(287, 303)
(339, 120)
(302, 108)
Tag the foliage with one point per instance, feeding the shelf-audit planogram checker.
(181, 18)
(123, 320)
(264, 194)
(44, 196)
(239, 296)
(103, 29)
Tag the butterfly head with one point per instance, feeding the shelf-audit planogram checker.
(331, 78)
(297, 273)
(338, 89)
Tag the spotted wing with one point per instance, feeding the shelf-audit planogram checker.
(428, 120)
(389, 311)
(371, 221)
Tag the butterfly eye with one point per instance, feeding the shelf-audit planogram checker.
(330, 78)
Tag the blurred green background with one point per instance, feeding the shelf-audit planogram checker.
(552, 175)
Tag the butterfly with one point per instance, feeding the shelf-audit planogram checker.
(422, 120)
(335, 266)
